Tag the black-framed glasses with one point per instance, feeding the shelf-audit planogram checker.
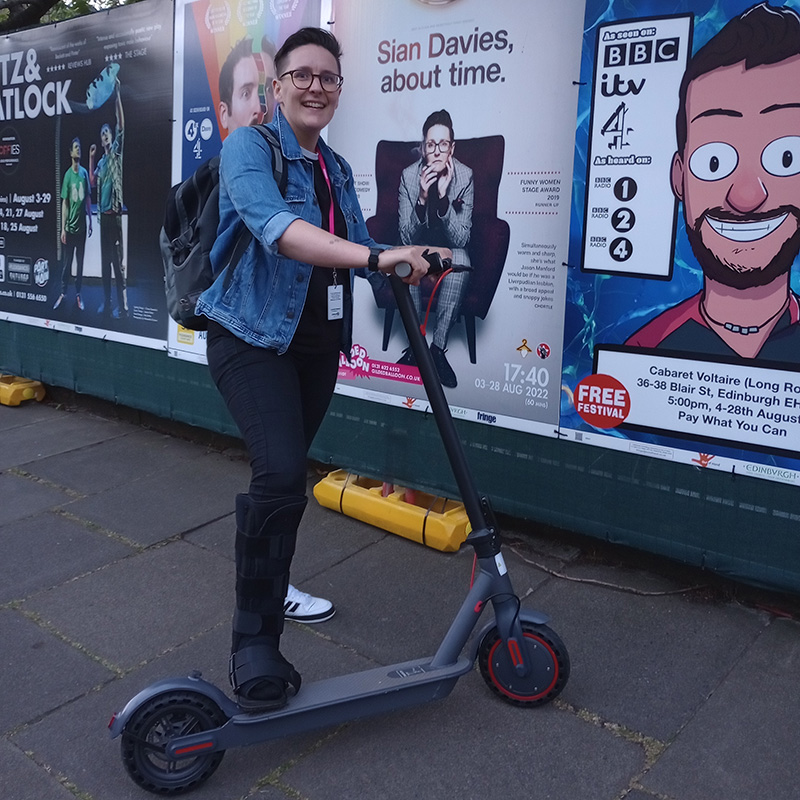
(437, 147)
(303, 78)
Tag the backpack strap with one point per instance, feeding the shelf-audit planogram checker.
(278, 165)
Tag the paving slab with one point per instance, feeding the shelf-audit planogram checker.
(135, 454)
(645, 662)
(21, 497)
(24, 779)
(54, 433)
(217, 536)
(47, 549)
(178, 500)
(394, 599)
(39, 671)
(134, 609)
(742, 744)
(325, 539)
(26, 414)
(470, 746)
(398, 597)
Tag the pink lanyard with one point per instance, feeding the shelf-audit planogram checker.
(330, 191)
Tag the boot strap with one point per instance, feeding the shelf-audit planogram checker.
(261, 662)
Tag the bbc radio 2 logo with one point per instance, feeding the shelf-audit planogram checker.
(638, 53)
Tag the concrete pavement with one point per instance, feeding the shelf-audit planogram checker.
(116, 546)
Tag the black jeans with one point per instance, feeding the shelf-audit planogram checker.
(278, 403)
(111, 254)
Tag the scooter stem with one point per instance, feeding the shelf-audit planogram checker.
(441, 408)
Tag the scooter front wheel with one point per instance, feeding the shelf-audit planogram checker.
(548, 666)
(150, 729)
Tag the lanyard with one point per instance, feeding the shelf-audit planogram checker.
(330, 191)
(331, 222)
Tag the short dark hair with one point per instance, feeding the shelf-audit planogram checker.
(763, 34)
(317, 36)
(242, 49)
(72, 143)
(438, 118)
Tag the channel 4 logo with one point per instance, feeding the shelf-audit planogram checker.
(633, 54)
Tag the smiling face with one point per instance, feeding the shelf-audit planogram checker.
(307, 111)
(739, 175)
(245, 106)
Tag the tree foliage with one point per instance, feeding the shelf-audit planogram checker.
(18, 14)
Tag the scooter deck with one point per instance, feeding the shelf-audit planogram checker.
(331, 702)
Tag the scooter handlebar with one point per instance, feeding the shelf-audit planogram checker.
(436, 265)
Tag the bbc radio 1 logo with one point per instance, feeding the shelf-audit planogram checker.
(638, 53)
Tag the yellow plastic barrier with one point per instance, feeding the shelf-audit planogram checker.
(433, 521)
(14, 390)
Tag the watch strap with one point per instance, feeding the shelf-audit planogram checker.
(374, 254)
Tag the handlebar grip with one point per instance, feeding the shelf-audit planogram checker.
(403, 269)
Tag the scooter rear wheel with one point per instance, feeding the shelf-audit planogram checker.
(547, 676)
(151, 728)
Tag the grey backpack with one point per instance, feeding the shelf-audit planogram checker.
(190, 227)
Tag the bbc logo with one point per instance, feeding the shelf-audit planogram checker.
(632, 54)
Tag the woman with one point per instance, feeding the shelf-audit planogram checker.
(435, 207)
(275, 331)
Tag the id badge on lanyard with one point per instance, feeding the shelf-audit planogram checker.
(335, 292)
(335, 302)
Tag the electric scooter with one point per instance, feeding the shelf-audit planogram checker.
(176, 731)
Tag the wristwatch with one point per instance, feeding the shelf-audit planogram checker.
(374, 253)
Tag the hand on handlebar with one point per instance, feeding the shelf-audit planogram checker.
(412, 263)
(437, 264)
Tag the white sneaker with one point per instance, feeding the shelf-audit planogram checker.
(303, 607)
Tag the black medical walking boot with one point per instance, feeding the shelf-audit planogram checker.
(266, 532)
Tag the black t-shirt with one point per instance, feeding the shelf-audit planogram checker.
(315, 332)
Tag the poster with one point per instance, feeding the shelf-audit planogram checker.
(499, 167)
(223, 80)
(84, 118)
(686, 346)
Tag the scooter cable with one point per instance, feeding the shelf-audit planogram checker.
(424, 325)
(489, 599)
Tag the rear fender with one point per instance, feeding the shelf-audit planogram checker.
(192, 683)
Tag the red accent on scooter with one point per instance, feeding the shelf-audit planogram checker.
(194, 748)
(516, 655)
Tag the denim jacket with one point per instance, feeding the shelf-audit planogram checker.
(263, 300)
